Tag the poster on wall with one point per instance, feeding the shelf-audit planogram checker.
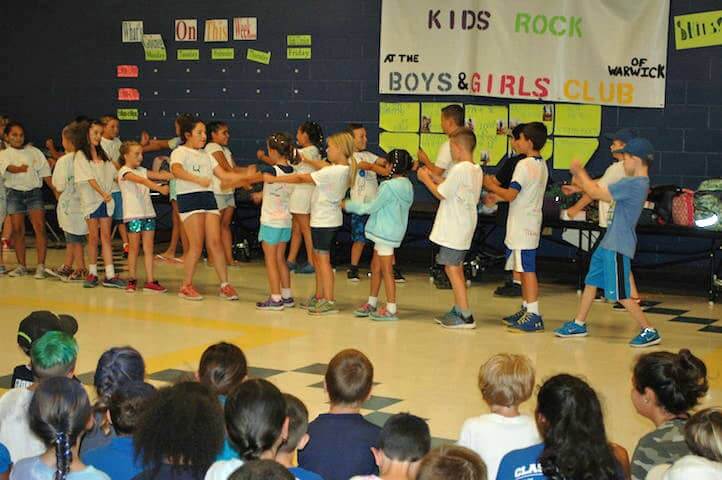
(132, 31)
(186, 30)
(216, 30)
(555, 50)
(245, 28)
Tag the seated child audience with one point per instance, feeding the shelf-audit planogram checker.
(59, 414)
(341, 440)
(297, 414)
(403, 442)
(179, 433)
(666, 386)
(261, 470)
(257, 425)
(452, 461)
(574, 440)
(117, 458)
(703, 435)
(52, 355)
(31, 328)
(506, 381)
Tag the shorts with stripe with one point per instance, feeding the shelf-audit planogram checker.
(611, 271)
(522, 261)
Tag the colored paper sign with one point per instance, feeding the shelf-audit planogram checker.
(488, 120)
(431, 117)
(532, 112)
(568, 149)
(405, 141)
(578, 120)
(431, 142)
(399, 117)
(490, 149)
(698, 30)
(186, 30)
(298, 40)
(258, 56)
(188, 54)
(216, 30)
(132, 31)
(548, 149)
(298, 53)
(127, 71)
(245, 28)
(127, 114)
(154, 48)
(223, 54)
(128, 94)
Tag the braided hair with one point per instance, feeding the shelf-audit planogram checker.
(59, 412)
(401, 162)
(116, 367)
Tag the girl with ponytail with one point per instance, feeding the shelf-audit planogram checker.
(59, 413)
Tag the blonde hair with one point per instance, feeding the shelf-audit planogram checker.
(506, 379)
(125, 149)
(344, 142)
(703, 433)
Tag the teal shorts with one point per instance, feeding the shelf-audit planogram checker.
(141, 225)
(273, 235)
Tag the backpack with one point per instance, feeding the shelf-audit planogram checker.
(683, 208)
(662, 197)
(708, 204)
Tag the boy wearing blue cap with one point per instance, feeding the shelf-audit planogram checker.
(611, 262)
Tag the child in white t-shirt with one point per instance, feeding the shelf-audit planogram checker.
(505, 381)
(452, 118)
(332, 183)
(111, 142)
(523, 230)
(136, 183)
(455, 221)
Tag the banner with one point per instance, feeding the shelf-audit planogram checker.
(580, 51)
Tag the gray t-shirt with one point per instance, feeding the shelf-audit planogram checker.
(628, 195)
(664, 445)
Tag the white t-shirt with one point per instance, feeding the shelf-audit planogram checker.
(366, 186)
(492, 436)
(302, 191)
(443, 157)
(689, 467)
(196, 162)
(112, 149)
(275, 210)
(136, 197)
(523, 229)
(613, 174)
(15, 431)
(38, 167)
(174, 143)
(331, 186)
(69, 209)
(102, 172)
(223, 469)
(210, 149)
(456, 218)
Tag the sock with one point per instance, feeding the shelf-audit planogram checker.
(391, 307)
(524, 304)
(276, 297)
(533, 307)
(579, 322)
(373, 301)
(40, 266)
(93, 269)
(516, 282)
(286, 293)
(223, 284)
(110, 271)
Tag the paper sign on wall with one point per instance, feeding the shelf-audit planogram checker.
(298, 40)
(487, 120)
(188, 54)
(245, 28)
(298, 53)
(258, 56)
(490, 149)
(568, 149)
(154, 47)
(186, 30)
(223, 54)
(531, 112)
(128, 94)
(132, 31)
(406, 141)
(399, 117)
(216, 30)
(578, 120)
(431, 142)
(127, 114)
(431, 117)
(127, 71)
(698, 30)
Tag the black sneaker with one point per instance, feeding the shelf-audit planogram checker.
(509, 289)
(599, 297)
(398, 276)
(352, 274)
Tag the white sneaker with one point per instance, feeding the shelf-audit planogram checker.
(19, 271)
(40, 272)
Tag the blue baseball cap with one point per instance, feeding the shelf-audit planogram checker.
(639, 147)
(625, 135)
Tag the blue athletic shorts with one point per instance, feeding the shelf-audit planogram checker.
(522, 261)
(118, 210)
(611, 271)
(274, 235)
(141, 225)
(358, 228)
(101, 211)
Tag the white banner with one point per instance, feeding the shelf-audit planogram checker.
(608, 52)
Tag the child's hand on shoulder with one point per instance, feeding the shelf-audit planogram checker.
(260, 154)
(365, 166)
(268, 178)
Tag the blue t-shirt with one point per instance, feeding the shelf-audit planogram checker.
(524, 464)
(629, 195)
(33, 468)
(302, 474)
(340, 446)
(117, 459)
(5, 461)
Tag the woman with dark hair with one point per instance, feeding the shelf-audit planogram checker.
(179, 434)
(574, 441)
(665, 387)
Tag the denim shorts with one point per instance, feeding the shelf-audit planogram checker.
(225, 201)
(100, 212)
(73, 238)
(274, 235)
(358, 228)
(20, 202)
(450, 256)
(118, 210)
(140, 225)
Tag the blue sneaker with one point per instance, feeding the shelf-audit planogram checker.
(646, 338)
(270, 305)
(289, 302)
(448, 315)
(456, 320)
(529, 323)
(571, 329)
(114, 282)
(512, 319)
(292, 266)
(306, 270)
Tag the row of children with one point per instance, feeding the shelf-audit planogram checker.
(49, 429)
